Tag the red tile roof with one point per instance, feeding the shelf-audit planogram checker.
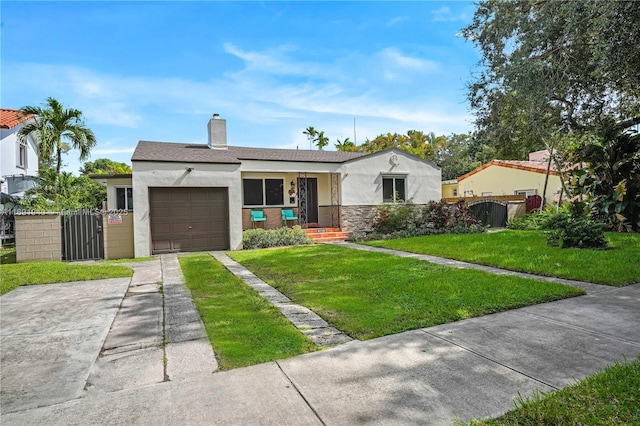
(529, 166)
(10, 118)
(200, 153)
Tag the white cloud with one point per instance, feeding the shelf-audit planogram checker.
(444, 14)
(391, 56)
(397, 20)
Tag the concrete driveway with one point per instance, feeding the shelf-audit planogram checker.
(50, 337)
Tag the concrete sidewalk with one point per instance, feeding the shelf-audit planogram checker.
(472, 368)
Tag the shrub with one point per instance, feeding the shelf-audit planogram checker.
(538, 220)
(581, 232)
(261, 238)
(410, 220)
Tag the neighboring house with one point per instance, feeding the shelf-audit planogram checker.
(510, 177)
(191, 197)
(18, 160)
(450, 188)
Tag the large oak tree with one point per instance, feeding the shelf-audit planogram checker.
(554, 66)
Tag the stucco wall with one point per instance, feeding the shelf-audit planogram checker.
(448, 190)
(118, 237)
(112, 184)
(159, 174)
(38, 238)
(362, 178)
(9, 155)
(499, 180)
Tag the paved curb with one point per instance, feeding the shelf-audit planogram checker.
(590, 288)
(307, 321)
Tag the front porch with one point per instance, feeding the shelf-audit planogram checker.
(314, 199)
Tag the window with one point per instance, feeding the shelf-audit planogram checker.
(274, 190)
(393, 189)
(124, 198)
(21, 159)
(258, 192)
(252, 191)
(455, 192)
(526, 192)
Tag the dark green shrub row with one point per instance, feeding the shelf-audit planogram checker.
(261, 238)
(410, 220)
(435, 215)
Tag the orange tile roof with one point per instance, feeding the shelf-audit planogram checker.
(10, 118)
(529, 166)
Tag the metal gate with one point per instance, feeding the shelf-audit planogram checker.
(82, 236)
(490, 213)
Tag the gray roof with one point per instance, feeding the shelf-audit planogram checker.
(201, 153)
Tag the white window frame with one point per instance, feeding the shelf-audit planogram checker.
(394, 178)
(126, 199)
(526, 192)
(22, 155)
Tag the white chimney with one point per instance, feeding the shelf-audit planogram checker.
(217, 132)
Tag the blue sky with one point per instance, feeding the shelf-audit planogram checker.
(159, 70)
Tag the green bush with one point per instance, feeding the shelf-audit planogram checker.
(261, 238)
(581, 232)
(410, 220)
(539, 220)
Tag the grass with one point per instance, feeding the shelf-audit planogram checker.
(368, 295)
(18, 274)
(527, 251)
(243, 328)
(609, 397)
(7, 254)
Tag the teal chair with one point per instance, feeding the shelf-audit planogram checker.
(257, 216)
(287, 214)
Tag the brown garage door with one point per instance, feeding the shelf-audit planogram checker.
(188, 219)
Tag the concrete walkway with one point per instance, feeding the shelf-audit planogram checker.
(471, 368)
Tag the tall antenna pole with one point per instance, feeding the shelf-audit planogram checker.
(355, 139)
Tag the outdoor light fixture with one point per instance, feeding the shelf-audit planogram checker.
(188, 169)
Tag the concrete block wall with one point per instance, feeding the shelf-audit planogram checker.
(118, 237)
(38, 238)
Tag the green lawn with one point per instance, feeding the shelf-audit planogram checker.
(243, 328)
(527, 251)
(17, 274)
(369, 295)
(610, 397)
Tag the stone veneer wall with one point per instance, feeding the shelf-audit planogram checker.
(38, 238)
(357, 218)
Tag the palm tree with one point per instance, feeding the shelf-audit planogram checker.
(54, 125)
(311, 135)
(345, 145)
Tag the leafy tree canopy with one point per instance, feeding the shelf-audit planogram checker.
(64, 192)
(554, 66)
(105, 166)
(56, 129)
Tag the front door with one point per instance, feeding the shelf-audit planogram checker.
(308, 192)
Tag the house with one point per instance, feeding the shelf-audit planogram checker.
(192, 197)
(510, 177)
(18, 160)
(450, 188)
